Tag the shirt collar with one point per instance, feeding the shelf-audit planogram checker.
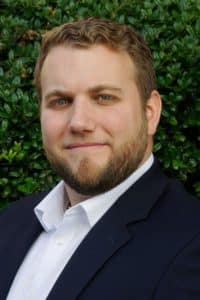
(95, 207)
(51, 210)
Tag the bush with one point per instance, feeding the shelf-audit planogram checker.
(172, 30)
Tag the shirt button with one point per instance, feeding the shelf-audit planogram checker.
(59, 242)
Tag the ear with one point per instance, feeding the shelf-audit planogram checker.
(153, 111)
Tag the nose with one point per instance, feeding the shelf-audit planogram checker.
(81, 117)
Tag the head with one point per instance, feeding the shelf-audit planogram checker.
(98, 103)
(90, 32)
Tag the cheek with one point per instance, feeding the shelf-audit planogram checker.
(51, 126)
(122, 123)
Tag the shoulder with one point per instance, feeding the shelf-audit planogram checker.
(178, 209)
(180, 198)
(23, 206)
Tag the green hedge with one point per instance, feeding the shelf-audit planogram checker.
(171, 28)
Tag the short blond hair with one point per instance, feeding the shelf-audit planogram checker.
(92, 31)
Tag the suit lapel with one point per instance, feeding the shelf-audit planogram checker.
(109, 235)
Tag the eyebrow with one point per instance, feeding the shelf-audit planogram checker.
(55, 92)
(92, 90)
(100, 88)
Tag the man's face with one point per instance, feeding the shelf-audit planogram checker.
(95, 131)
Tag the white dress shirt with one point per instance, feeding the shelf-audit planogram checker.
(63, 232)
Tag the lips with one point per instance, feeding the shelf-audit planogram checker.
(84, 145)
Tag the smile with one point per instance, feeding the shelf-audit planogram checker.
(85, 146)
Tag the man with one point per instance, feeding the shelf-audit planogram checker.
(115, 227)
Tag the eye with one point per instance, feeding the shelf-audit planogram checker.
(60, 102)
(105, 97)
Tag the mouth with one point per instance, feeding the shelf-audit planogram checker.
(84, 145)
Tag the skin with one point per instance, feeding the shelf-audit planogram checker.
(94, 128)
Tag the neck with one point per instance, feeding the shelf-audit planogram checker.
(73, 196)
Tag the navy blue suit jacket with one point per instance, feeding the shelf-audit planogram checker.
(147, 246)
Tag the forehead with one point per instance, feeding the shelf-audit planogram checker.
(96, 64)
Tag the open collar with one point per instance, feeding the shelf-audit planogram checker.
(112, 232)
(51, 210)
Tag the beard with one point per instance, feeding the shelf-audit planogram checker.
(90, 181)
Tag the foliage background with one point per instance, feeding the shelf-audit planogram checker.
(172, 30)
